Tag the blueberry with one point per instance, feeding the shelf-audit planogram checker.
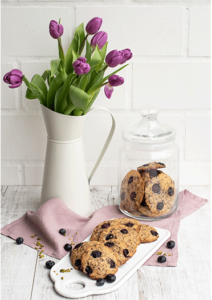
(50, 264)
(160, 206)
(110, 278)
(19, 240)
(130, 180)
(156, 188)
(112, 264)
(106, 225)
(109, 237)
(88, 270)
(78, 262)
(62, 231)
(78, 245)
(161, 259)
(129, 224)
(171, 191)
(125, 252)
(100, 282)
(154, 232)
(124, 231)
(68, 247)
(96, 254)
(109, 244)
(132, 196)
(170, 244)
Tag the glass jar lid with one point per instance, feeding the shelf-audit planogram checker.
(149, 131)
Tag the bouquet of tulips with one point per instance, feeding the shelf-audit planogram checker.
(73, 82)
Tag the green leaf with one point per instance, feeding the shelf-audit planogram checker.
(39, 82)
(98, 85)
(88, 51)
(82, 82)
(78, 97)
(95, 78)
(69, 109)
(77, 112)
(74, 46)
(75, 56)
(36, 91)
(61, 102)
(54, 66)
(102, 53)
(91, 100)
(96, 59)
(56, 83)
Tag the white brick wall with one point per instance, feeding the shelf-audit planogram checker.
(170, 68)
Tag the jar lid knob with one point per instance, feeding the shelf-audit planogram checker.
(149, 112)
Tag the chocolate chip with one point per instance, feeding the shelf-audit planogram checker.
(129, 224)
(112, 264)
(96, 253)
(106, 225)
(154, 232)
(153, 173)
(78, 245)
(109, 236)
(78, 263)
(130, 180)
(109, 244)
(125, 252)
(88, 270)
(171, 191)
(160, 206)
(124, 231)
(123, 196)
(146, 165)
(132, 196)
(156, 188)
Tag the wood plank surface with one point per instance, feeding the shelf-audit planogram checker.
(24, 275)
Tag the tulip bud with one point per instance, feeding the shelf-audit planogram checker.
(55, 29)
(113, 58)
(115, 80)
(108, 89)
(14, 78)
(126, 54)
(100, 39)
(93, 25)
(80, 66)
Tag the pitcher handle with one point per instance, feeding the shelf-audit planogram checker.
(110, 135)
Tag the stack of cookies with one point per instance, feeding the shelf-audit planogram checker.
(147, 191)
(111, 245)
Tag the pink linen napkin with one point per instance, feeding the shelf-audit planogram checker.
(54, 215)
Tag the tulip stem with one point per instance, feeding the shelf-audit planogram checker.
(105, 68)
(61, 52)
(83, 44)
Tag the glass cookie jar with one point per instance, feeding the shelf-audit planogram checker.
(148, 169)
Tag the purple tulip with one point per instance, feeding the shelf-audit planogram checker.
(55, 29)
(80, 66)
(108, 89)
(93, 25)
(126, 54)
(100, 39)
(14, 78)
(113, 58)
(115, 80)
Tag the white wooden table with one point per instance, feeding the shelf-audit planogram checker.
(24, 276)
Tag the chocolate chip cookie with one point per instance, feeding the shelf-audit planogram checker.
(77, 252)
(132, 189)
(130, 236)
(150, 166)
(123, 251)
(148, 234)
(99, 261)
(160, 194)
(101, 227)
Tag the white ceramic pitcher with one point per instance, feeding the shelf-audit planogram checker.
(64, 172)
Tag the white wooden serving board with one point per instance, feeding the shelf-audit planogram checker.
(62, 287)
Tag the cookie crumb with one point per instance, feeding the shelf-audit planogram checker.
(38, 239)
(32, 236)
(159, 253)
(165, 254)
(169, 254)
(62, 278)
